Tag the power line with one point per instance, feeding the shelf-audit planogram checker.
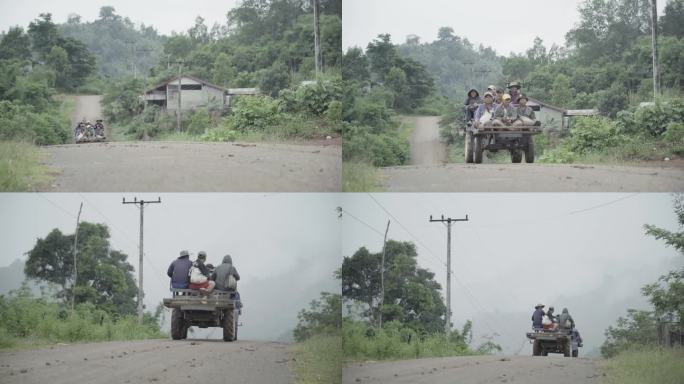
(362, 222)
(603, 204)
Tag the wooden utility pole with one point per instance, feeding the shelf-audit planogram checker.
(449, 220)
(382, 274)
(141, 204)
(317, 37)
(654, 38)
(73, 286)
(178, 113)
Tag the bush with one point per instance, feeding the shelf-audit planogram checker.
(652, 120)
(255, 113)
(200, 122)
(380, 150)
(592, 134)
(22, 123)
(646, 365)
(311, 99)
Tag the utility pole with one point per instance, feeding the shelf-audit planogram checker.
(141, 204)
(178, 113)
(449, 220)
(317, 37)
(73, 287)
(654, 38)
(382, 273)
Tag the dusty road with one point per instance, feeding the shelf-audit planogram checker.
(426, 147)
(161, 361)
(88, 107)
(194, 167)
(476, 369)
(428, 173)
(533, 178)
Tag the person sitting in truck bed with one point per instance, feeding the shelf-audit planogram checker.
(485, 112)
(525, 113)
(206, 285)
(223, 272)
(566, 321)
(537, 317)
(471, 103)
(505, 114)
(179, 270)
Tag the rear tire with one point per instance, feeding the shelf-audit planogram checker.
(185, 332)
(469, 147)
(516, 156)
(575, 353)
(229, 325)
(536, 348)
(567, 349)
(477, 149)
(529, 151)
(177, 324)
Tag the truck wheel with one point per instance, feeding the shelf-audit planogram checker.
(477, 149)
(544, 353)
(229, 325)
(567, 349)
(516, 156)
(575, 353)
(177, 324)
(536, 348)
(469, 147)
(184, 333)
(529, 151)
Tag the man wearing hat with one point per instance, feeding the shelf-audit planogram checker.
(178, 271)
(525, 113)
(514, 91)
(485, 112)
(537, 317)
(505, 114)
(471, 103)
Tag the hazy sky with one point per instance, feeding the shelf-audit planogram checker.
(584, 251)
(504, 25)
(285, 246)
(165, 16)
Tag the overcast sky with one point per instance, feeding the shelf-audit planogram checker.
(584, 251)
(166, 16)
(506, 26)
(285, 246)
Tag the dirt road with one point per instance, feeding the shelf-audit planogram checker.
(533, 178)
(87, 107)
(476, 369)
(426, 147)
(194, 167)
(161, 361)
(428, 173)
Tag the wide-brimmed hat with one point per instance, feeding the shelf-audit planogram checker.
(539, 306)
(492, 87)
(523, 97)
(202, 255)
(506, 96)
(514, 84)
(184, 253)
(488, 94)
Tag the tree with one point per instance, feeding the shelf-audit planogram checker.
(411, 295)
(43, 34)
(396, 80)
(223, 72)
(15, 45)
(562, 92)
(199, 33)
(108, 13)
(324, 316)
(672, 21)
(58, 60)
(355, 65)
(445, 34)
(382, 56)
(104, 276)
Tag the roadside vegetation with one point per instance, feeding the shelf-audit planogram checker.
(20, 167)
(104, 294)
(318, 347)
(413, 311)
(635, 346)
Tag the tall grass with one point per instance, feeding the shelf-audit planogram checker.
(360, 177)
(318, 360)
(20, 167)
(395, 342)
(646, 365)
(25, 320)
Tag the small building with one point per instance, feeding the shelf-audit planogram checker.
(553, 117)
(194, 92)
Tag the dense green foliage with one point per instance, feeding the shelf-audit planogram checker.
(105, 278)
(324, 317)
(318, 360)
(666, 295)
(29, 320)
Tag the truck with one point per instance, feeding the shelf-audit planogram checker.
(545, 341)
(515, 139)
(87, 133)
(194, 308)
